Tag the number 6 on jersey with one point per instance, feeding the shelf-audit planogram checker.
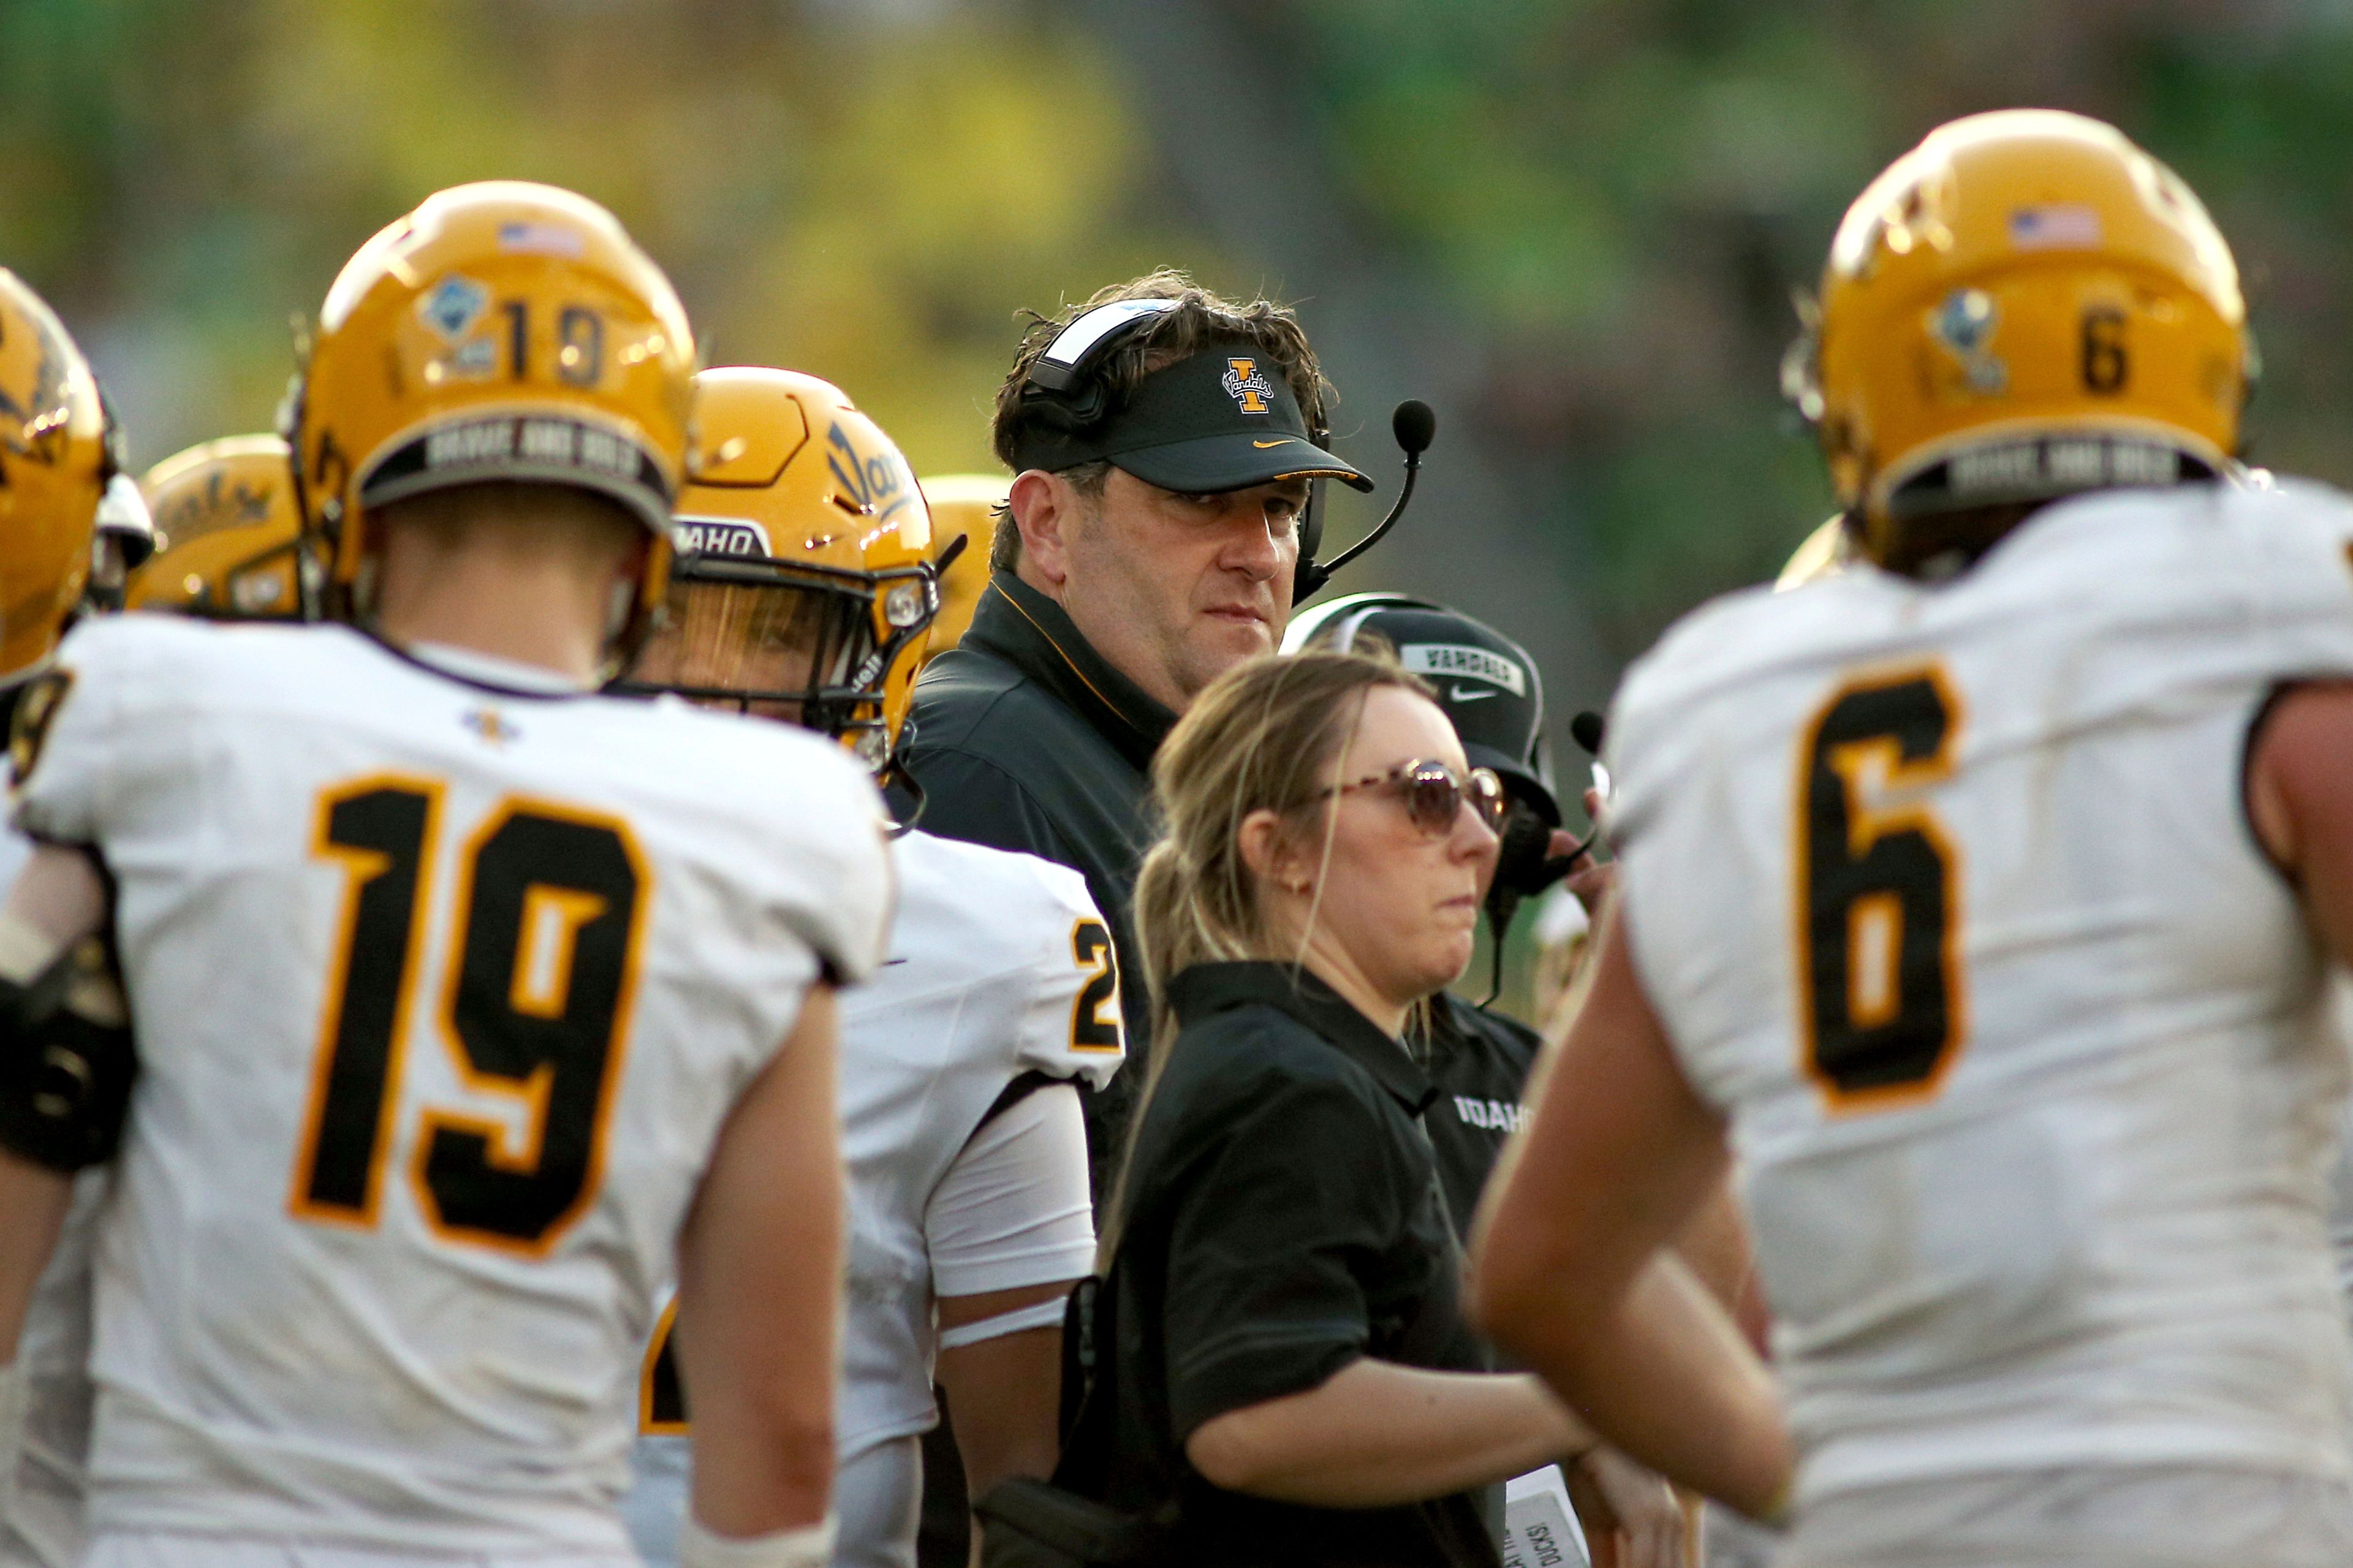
(1881, 1008)
(535, 1005)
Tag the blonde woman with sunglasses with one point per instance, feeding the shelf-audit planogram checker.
(1287, 1377)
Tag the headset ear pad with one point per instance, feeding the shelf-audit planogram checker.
(1073, 412)
(1061, 391)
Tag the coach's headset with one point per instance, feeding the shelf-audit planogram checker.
(1062, 392)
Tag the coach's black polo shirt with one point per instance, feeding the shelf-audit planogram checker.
(1025, 738)
(1286, 1220)
(1480, 1062)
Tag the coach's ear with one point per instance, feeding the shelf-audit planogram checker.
(1044, 506)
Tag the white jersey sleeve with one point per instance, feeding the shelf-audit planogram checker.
(1000, 968)
(1071, 1027)
(81, 730)
(1015, 1208)
(1945, 895)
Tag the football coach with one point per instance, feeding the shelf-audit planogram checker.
(1163, 441)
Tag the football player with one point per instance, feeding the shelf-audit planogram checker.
(227, 534)
(1978, 895)
(231, 542)
(805, 599)
(57, 474)
(470, 1004)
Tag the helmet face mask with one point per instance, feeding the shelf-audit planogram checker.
(798, 644)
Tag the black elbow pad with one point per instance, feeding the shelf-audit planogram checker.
(64, 1074)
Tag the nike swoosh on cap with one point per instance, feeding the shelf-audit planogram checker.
(1286, 441)
(1470, 693)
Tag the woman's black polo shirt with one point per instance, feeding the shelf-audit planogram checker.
(1286, 1220)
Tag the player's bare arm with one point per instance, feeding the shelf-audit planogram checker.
(2301, 807)
(34, 1197)
(1619, 1159)
(762, 1249)
(1005, 1392)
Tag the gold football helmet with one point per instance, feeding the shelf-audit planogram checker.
(802, 586)
(2024, 306)
(57, 453)
(229, 535)
(969, 504)
(503, 330)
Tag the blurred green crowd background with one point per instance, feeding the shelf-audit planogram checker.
(1573, 225)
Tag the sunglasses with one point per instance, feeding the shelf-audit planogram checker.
(1433, 794)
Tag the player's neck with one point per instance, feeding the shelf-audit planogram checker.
(541, 611)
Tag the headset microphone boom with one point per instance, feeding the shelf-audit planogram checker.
(1413, 423)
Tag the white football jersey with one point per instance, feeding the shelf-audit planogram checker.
(1947, 897)
(443, 985)
(1000, 966)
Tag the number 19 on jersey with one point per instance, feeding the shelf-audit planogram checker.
(539, 972)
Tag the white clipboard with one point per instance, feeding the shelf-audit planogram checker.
(1540, 1528)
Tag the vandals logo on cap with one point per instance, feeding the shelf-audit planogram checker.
(1466, 662)
(718, 536)
(1246, 386)
(452, 306)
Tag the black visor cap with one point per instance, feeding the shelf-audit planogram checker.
(1224, 419)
